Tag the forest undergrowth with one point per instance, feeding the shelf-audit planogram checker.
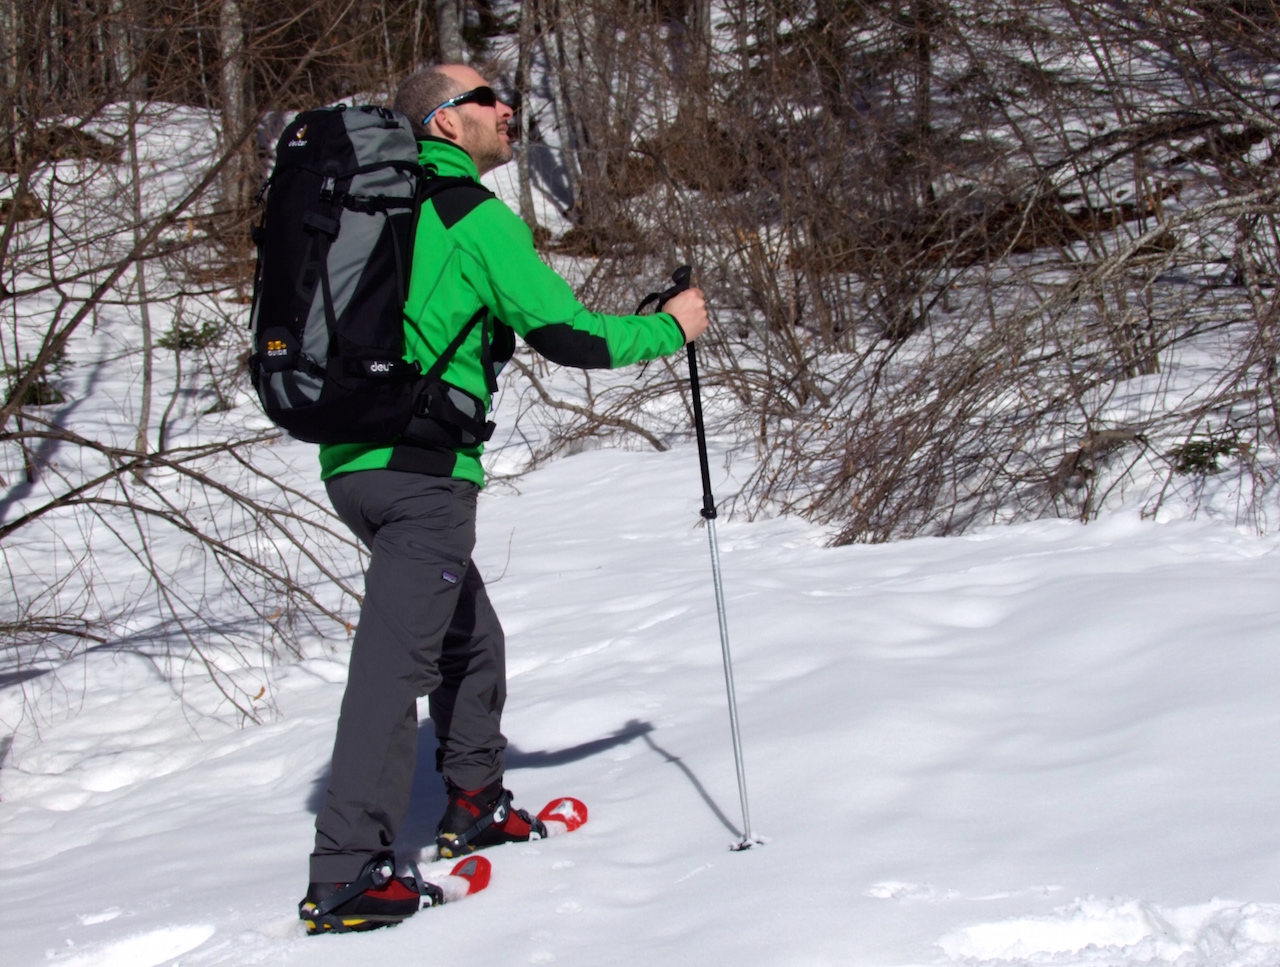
(967, 264)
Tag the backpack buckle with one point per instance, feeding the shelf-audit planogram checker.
(314, 222)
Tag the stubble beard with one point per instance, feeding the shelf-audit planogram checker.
(489, 150)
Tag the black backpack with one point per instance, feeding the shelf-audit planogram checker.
(334, 251)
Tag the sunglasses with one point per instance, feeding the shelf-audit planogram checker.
(483, 96)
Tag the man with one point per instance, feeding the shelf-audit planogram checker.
(426, 626)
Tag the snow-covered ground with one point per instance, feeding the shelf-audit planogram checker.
(1042, 744)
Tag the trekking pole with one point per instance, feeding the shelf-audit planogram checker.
(682, 278)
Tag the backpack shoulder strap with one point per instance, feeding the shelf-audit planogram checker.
(442, 361)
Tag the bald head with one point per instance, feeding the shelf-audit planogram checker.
(423, 90)
(480, 130)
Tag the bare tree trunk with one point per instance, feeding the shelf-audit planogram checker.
(121, 53)
(30, 471)
(10, 27)
(386, 46)
(418, 16)
(689, 50)
(197, 25)
(528, 15)
(449, 31)
(700, 54)
(564, 125)
(46, 59)
(140, 284)
(924, 18)
(162, 438)
(231, 52)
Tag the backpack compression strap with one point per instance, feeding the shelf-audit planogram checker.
(433, 461)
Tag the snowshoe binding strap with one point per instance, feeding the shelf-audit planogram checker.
(429, 894)
(376, 874)
(501, 810)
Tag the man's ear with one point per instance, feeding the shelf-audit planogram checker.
(445, 125)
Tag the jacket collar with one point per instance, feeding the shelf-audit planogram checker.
(449, 160)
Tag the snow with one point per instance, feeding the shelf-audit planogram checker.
(1039, 744)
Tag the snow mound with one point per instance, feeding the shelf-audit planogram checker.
(1219, 933)
(898, 890)
(144, 949)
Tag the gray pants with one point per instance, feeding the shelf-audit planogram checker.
(426, 628)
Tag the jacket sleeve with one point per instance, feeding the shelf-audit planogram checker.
(500, 263)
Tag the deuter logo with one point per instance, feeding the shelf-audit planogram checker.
(299, 138)
(277, 347)
(377, 368)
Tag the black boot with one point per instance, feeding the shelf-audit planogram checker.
(377, 898)
(476, 818)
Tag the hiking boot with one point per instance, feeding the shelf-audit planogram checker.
(377, 898)
(476, 818)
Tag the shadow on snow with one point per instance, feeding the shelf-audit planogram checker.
(427, 798)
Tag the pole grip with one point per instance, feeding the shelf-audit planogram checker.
(708, 500)
(683, 279)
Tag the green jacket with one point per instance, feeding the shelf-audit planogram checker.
(471, 253)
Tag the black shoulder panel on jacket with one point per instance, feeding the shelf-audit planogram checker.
(455, 204)
(563, 344)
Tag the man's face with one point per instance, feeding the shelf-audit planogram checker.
(482, 131)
